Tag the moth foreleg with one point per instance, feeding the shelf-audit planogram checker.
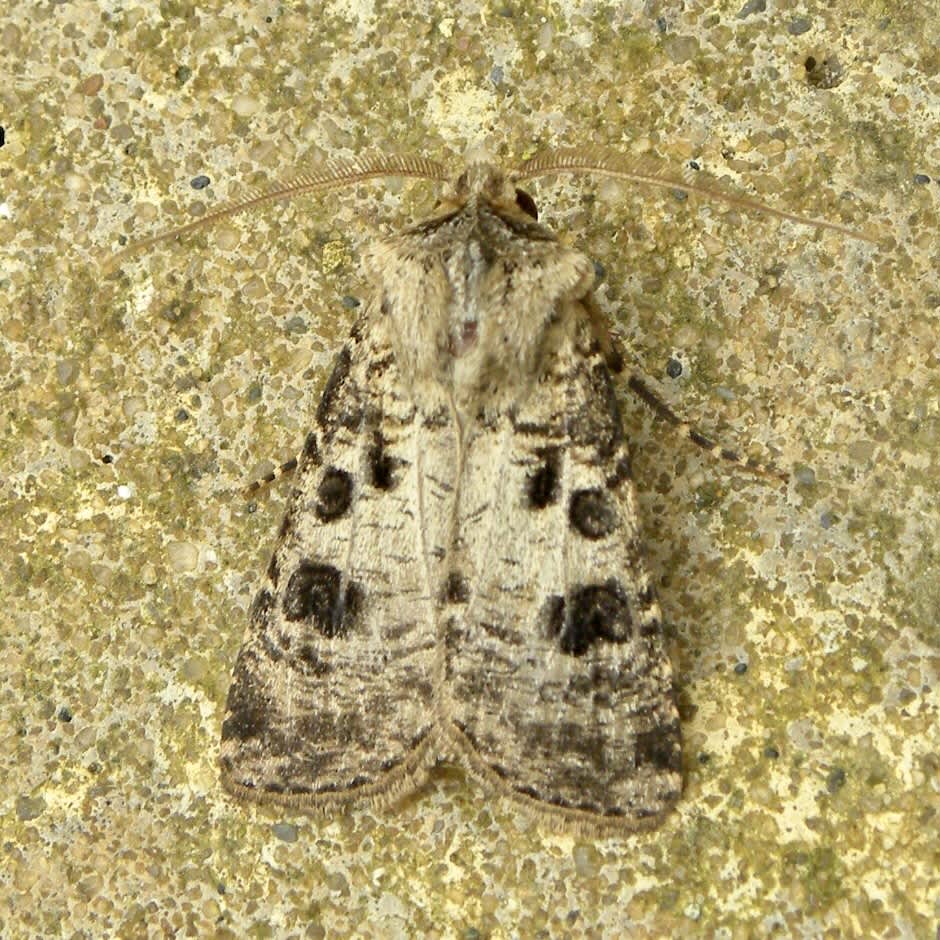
(639, 386)
(289, 466)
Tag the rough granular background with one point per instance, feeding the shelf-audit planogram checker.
(136, 402)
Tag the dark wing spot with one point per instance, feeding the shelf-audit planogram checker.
(660, 747)
(382, 465)
(314, 593)
(542, 486)
(597, 423)
(247, 709)
(622, 471)
(274, 569)
(311, 452)
(352, 604)
(456, 589)
(261, 607)
(592, 513)
(287, 523)
(553, 615)
(334, 494)
(334, 384)
(594, 612)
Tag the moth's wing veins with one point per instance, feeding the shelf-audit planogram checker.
(558, 687)
(331, 699)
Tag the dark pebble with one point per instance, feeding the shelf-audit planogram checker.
(286, 832)
(673, 368)
(199, 182)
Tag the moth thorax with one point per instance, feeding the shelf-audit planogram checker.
(467, 275)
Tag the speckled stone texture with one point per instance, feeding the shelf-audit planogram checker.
(136, 403)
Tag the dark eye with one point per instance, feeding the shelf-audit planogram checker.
(526, 203)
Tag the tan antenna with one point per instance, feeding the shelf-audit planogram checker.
(645, 171)
(333, 174)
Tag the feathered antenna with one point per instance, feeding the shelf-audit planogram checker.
(645, 171)
(333, 174)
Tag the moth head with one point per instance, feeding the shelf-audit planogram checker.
(485, 181)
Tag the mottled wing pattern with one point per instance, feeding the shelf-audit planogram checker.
(557, 686)
(331, 698)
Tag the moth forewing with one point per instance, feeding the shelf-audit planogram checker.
(460, 572)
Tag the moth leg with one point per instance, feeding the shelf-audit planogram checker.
(289, 466)
(610, 346)
(640, 388)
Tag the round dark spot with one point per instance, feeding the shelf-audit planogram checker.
(771, 752)
(199, 182)
(542, 486)
(673, 368)
(65, 714)
(334, 494)
(921, 179)
(592, 513)
(740, 668)
(526, 203)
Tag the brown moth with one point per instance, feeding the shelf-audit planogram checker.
(460, 574)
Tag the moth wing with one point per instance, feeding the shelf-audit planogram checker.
(331, 695)
(558, 684)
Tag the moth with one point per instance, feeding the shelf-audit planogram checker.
(460, 574)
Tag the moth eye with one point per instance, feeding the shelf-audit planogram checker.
(527, 204)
